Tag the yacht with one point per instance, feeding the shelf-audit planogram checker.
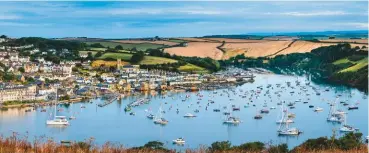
(258, 116)
(284, 129)
(158, 119)
(318, 109)
(231, 120)
(345, 127)
(58, 120)
(179, 141)
(150, 116)
(189, 115)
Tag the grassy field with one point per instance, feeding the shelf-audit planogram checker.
(123, 56)
(148, 60)
(177, 40)
(86, 52)
(192, 68)
(358, 65)
(139, 46)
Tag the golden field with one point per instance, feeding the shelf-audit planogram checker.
(199, 49)
(207, 47)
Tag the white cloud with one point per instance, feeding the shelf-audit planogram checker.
(321, 13)
(16, 24)
(9, 17)
(354, 24)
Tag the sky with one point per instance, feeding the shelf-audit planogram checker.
(176, 19)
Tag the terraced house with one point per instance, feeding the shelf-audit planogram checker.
(17, 93)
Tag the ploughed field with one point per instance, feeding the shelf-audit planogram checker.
(214, 47)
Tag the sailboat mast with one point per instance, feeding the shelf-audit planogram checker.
(56, 101)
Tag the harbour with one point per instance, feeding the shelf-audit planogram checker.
(209, 109)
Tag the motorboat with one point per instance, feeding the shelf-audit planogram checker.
(72, 117)
(232, 120)
(189, 115)
(258, 116)
(179, 141)
(318, 109)
(353, 107)
(265, 111)
(347, 128)
(150, 116)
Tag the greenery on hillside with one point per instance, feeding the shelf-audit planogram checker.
(339, 64)
(126, 46)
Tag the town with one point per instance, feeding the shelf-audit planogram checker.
(35, 80)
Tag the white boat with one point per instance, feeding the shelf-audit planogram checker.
(231, 120)
(58, 120)
(290, 131)
(189, 115)
(333, 115)
(284, 129)
(150, 116)
(179, 141)
(158, 119)
(72, 117)
(345, 127)
(318, 109)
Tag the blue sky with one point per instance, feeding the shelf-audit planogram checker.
(176, 19)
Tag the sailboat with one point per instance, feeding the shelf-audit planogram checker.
(345, 127)
(158, 119)
(284, 116)
(284, 129)
(58, 120)
(333, 116)
(231, 119)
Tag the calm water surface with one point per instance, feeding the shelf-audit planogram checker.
(111, 123)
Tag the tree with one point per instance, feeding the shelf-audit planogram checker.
(220, 146)
(89, 56)
(252, 146)
(21, 69)
(134, 49)
(119, 47)
(97, 45)
(98, 54)
(3, 36)
(137, 57)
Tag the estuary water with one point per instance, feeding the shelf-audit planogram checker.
(112, 123)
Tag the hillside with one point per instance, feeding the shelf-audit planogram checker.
(266, 47)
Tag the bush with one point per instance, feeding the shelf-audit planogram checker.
(251, 146)
(220, 146)
(282, 148)
(137, 57)
(355, 58)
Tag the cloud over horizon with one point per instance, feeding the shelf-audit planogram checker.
(173, 19)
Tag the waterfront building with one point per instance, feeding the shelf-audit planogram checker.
(17, 93)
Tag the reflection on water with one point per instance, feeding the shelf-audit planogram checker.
(112, 123)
